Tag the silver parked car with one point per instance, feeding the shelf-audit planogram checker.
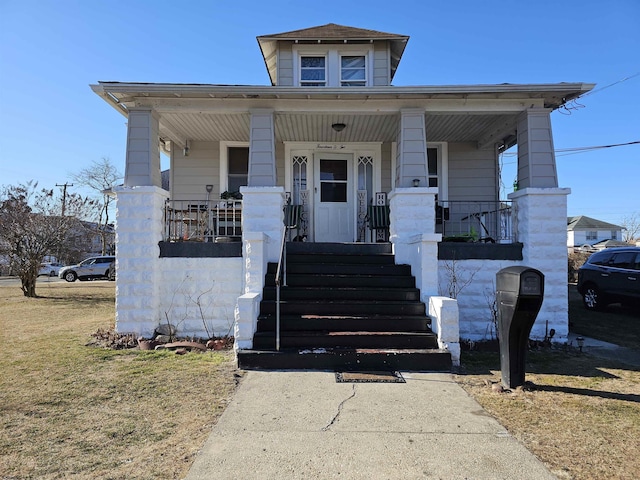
(610, 276)
(50, 269)
(94, 267)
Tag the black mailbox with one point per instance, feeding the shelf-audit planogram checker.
(519, 294)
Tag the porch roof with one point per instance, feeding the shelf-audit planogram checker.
(485, 114)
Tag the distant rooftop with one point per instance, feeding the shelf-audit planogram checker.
(582, 222)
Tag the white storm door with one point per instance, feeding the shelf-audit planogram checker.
(333, 198)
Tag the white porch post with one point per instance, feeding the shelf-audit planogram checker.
(139, 225)
(541, 218)
(143, 152)
(262, 224)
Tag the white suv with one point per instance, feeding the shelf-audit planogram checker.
(94, 267)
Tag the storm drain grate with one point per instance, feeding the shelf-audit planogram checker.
(369, 377)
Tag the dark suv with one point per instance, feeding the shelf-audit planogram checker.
(610, 276)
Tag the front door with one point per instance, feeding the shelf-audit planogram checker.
(333, 198)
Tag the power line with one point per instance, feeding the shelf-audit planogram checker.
(574, 150)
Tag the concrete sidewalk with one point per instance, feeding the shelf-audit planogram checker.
(304, 425)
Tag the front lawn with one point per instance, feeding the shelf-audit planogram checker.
(71, 410)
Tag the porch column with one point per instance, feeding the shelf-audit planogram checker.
(143, 152)
(262, 226)
(412, 233)
(536, 157)
(262, 156)
(541, 226)
(140, 221)
(411, 158)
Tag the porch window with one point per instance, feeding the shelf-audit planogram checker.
(313, 71)
(353, 72)
(365, 176)
(238, 168)
(299, 178)
(432, 164)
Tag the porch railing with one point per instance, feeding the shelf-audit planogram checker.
(477, 221)
(191, 220)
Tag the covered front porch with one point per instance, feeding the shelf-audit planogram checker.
(430, 159)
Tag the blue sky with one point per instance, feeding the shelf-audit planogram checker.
(52, 124)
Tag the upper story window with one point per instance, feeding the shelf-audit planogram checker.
(313, 71)
(353, 71)
(333, 65)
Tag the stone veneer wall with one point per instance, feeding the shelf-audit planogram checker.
(541, 227)
(149, 288)
(214, 283)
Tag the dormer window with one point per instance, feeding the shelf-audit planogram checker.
(313, 71)
(332, 65)
(353, 71)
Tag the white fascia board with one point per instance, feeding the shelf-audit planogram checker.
(213, 91)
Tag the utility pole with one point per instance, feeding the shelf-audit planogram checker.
(64, 195)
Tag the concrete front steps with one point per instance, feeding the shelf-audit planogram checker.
(345, 307)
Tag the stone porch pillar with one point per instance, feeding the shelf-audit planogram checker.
(541, 226)
(139, 220)
(412, 233)
(262, 226)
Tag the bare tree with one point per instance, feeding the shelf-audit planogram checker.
(631, 228)
(100, 177)
(31, 227)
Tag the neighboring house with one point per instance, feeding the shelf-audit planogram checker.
(590, 234)
(332, 136)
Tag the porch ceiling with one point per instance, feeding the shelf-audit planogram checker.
(485, 114)
(310, 127)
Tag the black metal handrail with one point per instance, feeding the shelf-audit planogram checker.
(280, 271)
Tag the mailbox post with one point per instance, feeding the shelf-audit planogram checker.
(519, 294)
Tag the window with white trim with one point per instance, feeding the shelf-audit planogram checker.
(353, 71)
(238, 168)
(432, 165)
(592, 235)
(333, 65)
(313, 71)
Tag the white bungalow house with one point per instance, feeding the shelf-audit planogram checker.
(591, 234)
(332, 137)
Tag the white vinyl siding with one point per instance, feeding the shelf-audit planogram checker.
(285, 66)
(190, 175)
(381, 65)
(472, 173)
